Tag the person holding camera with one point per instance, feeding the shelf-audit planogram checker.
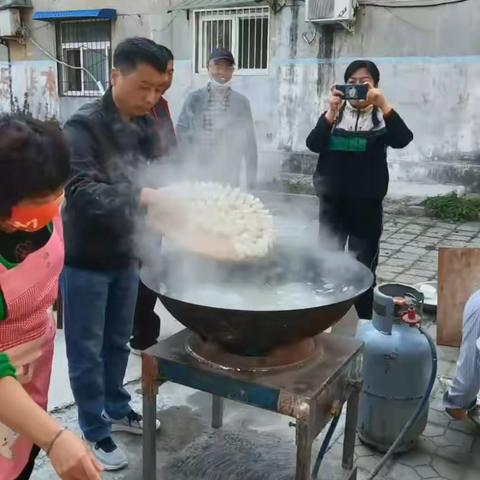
(351, 178)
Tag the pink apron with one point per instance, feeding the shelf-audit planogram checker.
(27, 336)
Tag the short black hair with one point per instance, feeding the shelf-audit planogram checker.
(168, 52)
(137, 50)
(368, 65)
(34, 160)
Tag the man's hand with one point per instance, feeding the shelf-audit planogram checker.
(334, 104)
(167, 212)
(147, 197)
(377, 98)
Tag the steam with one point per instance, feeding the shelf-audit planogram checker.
(286, 279)
(282, 278)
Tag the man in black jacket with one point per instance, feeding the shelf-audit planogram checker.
(351, 177)
(111, 141)
(146, 324)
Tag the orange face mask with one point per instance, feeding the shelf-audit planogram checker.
(31, 218)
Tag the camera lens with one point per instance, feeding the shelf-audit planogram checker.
(351, 92)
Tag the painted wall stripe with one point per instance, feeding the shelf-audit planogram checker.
(408, 60)
(413, 60)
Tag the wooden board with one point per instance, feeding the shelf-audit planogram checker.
(458, 278)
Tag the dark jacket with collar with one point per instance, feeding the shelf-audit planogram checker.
(102, 194)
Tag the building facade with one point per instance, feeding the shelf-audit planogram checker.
(429, 57)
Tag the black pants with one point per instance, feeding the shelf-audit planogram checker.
(358, 221)
(27, 471)
(146, 323)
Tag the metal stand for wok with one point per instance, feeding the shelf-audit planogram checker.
(312, 393)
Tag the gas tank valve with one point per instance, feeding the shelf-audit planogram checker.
(411, 318)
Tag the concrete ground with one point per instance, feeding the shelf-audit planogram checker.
(258, 445)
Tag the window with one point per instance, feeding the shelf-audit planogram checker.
(244, 31)
(84, 44)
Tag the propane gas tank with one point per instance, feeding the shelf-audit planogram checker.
(396, 368)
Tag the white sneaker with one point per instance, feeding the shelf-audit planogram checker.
(109, 455)
(132, 423)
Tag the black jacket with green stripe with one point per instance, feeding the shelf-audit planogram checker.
(353, 152)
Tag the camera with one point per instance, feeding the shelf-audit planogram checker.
(354, 91)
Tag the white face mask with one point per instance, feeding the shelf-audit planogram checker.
(219, 85)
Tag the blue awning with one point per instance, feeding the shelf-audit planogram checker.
(100, 14)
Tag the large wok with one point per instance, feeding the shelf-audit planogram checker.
(256, 329)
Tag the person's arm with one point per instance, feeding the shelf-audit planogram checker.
(319, 137)
(68, 454)
(251, 149)
(317, 140)
(398, 134)
(87, 190)
(185, 122)
(21, 414)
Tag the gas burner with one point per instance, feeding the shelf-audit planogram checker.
(287, 356)
(308, 381)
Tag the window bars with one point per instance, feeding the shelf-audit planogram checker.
(243, 31)
(85, 44)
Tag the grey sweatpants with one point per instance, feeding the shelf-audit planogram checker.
(466, 384)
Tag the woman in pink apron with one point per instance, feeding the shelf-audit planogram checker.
(34, 164)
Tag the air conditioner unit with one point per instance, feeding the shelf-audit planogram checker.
(330, 11)
(9, 22)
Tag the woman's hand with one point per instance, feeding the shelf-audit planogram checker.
(72, 460)
(335, 102)
(69, 455)
(377, 98)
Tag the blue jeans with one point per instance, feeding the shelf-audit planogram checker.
(98, 315)
(466, 383)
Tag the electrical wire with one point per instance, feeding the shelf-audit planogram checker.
(409, 3)
(29, 37)
(167, 26)
(325, 445)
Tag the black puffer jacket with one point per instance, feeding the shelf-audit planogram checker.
(102, 194)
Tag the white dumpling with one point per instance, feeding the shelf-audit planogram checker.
(222, 210)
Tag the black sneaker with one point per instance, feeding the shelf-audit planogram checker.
(132, 423)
